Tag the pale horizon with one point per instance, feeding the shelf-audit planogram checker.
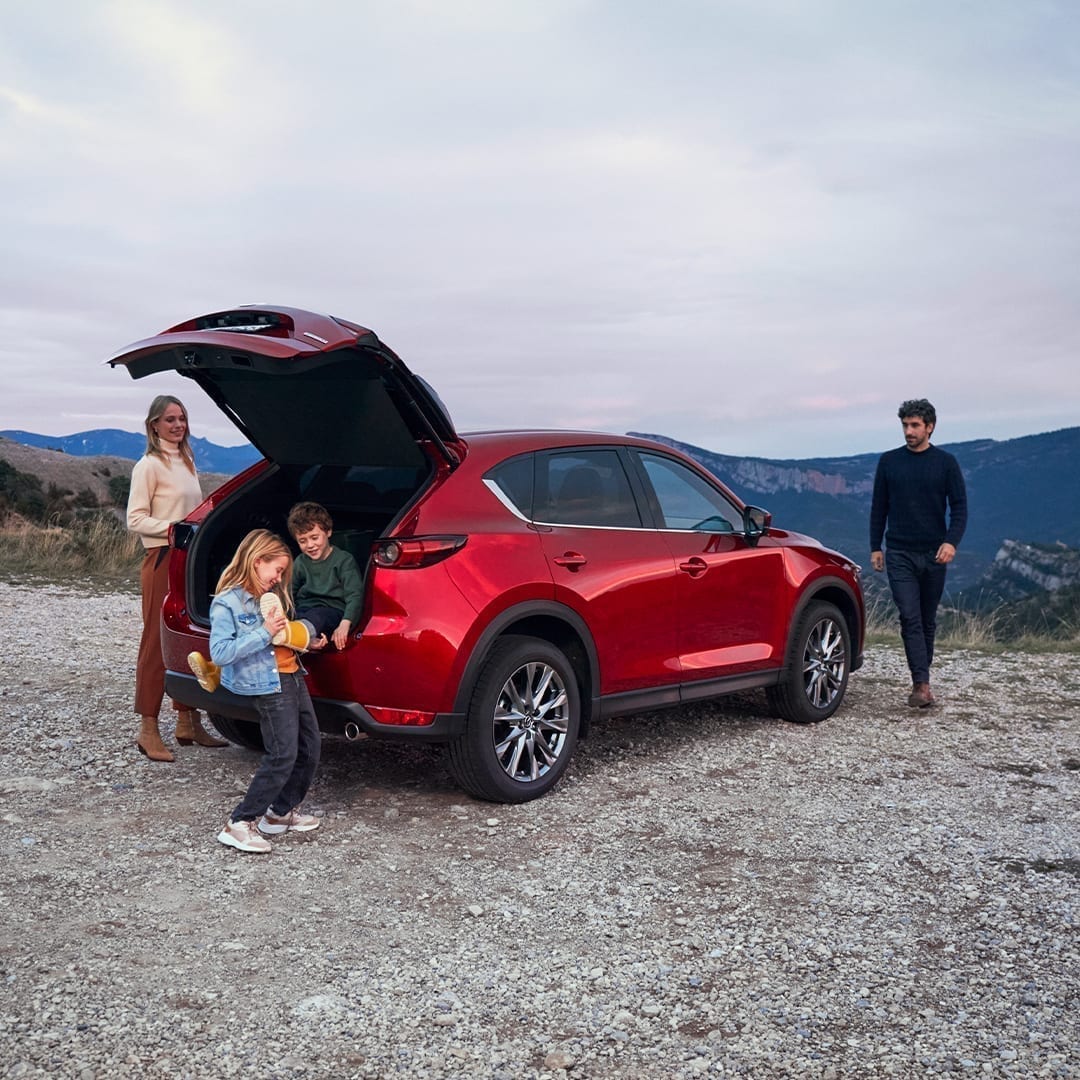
(754, 227)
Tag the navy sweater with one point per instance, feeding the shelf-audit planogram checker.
(910, 492)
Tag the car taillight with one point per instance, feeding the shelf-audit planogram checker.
(415, 551)
(401, 717)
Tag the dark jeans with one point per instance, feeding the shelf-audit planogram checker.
(917, 583)
(291, 736)
(324, 619)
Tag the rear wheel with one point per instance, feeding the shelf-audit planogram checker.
(522, 723)
(816, 673)
(242, 732)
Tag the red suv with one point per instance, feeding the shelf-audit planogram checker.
(518, 585)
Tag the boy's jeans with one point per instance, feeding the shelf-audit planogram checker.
(291, 736)
(917, 582)
(324, 619)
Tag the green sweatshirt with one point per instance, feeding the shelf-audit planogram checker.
(334, 582)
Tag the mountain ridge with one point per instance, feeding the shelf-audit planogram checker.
(1021, 490)
(114, 442)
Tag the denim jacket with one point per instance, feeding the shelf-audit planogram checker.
(240, 644)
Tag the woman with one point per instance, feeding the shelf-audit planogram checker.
(164, 488)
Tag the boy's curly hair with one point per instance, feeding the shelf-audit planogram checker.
(919, 407)
(306, 515)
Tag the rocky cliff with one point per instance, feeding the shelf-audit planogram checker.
(1021, 569)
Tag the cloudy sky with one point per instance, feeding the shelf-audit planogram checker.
(753, 225)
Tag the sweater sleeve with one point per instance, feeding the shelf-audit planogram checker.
(956, 493)
(141, 499)
(352, 586)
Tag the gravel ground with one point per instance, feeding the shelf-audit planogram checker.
(708, 893)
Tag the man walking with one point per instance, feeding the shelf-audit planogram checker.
(912, 485)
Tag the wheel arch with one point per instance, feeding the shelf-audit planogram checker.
(550, 622)
(838, 593)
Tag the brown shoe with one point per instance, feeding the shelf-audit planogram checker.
(921, 697)
(149, 740)
(189, 730)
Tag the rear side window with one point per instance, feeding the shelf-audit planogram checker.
(514, 478)
(585, 487)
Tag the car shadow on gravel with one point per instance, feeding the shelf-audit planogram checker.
(374, 769)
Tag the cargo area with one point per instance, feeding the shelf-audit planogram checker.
(363, 502)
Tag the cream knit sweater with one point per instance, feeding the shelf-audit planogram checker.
(161, 492)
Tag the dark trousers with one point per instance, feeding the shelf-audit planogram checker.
(291, 736)
(917, 582)
(324, 619)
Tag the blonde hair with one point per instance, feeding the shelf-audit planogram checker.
(259, 545)
(153, 443)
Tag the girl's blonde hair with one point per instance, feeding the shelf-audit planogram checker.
(258, 545)
(153, 443)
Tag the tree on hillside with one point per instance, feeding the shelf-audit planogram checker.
(22, 493)
(119, 488)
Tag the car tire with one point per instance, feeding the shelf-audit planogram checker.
(815, 676)
(242, 732)
(522, 723)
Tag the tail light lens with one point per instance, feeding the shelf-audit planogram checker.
(401, 717)
(411, 553)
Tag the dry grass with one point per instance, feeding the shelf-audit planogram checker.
(94, 548)
(985, 631)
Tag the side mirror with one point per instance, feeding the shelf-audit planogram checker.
(756, 524)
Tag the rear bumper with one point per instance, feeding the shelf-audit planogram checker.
(334, 716)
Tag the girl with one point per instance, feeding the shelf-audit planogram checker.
(247, 615)
(164, 488)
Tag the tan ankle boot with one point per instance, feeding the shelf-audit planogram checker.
(189, 730)
(149, 740)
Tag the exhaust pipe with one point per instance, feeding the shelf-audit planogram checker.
(352, 731)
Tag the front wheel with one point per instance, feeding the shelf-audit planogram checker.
(815, 675)
(522, 723)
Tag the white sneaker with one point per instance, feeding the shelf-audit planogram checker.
(243, 836)
(293, 821)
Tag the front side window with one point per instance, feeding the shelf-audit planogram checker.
(687, 501)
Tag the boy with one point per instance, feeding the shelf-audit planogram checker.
(327, 586)
(328, 591)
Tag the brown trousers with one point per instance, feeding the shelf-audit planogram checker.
(150, 666)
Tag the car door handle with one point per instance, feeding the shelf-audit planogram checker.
(695, 567)
(571, 560)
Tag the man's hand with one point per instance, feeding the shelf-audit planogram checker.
(877, 560)
(945, 554)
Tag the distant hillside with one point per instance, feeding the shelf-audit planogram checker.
(1020, 489)
(73, 473)
(111, 442)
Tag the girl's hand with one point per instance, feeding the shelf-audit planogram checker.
(275, 622)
